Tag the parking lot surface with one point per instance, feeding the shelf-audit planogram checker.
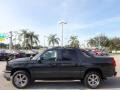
(112, 83)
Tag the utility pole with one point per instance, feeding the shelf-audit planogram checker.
(44, 41)
(10, 42)
(45, 45)
(15, 39)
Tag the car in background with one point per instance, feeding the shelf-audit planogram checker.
(21, 54)
(30, 53)
(3, 55)
(14, 54)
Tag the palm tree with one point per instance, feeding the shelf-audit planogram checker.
(28, 39)
(74, 42)
(33, 39)
(23, 38)
(53, 39)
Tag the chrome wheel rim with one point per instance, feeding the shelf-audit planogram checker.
(93, 80)
(20, 80)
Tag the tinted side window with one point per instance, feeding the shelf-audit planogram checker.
(69, 55)
(50, 55)
(86, 54)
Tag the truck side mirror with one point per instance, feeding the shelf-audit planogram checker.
(31, 57)
(40, 59)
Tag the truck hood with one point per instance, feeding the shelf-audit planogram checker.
(20, 60)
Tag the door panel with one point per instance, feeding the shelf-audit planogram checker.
(47, 68)
(68, 65)
(68, 70)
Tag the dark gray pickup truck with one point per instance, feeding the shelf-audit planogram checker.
(60, 64)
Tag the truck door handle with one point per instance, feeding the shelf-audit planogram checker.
(68, 64)
(53, 64)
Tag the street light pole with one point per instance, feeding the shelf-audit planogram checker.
(62, 22)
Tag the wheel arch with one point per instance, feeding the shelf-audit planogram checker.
(20, 69)
(98, 70)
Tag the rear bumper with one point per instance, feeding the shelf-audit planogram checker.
(7, 75)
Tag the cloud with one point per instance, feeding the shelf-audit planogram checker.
(80, 26)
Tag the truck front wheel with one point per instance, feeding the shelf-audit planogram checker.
(20, 79)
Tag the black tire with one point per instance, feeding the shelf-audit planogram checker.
(17, 83)
(92, 83)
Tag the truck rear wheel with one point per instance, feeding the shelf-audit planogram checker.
(92, 80)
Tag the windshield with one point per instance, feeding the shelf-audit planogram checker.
(37, 56)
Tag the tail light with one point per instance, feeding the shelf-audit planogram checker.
(113, 62)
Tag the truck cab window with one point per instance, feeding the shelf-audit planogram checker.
(69, 55)
(86, 54)
(50, 55)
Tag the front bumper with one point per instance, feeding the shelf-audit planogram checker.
(7, 75)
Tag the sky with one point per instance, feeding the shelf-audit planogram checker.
(85, 18)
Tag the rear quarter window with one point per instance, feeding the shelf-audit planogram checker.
(69, 54)
(86, 54)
